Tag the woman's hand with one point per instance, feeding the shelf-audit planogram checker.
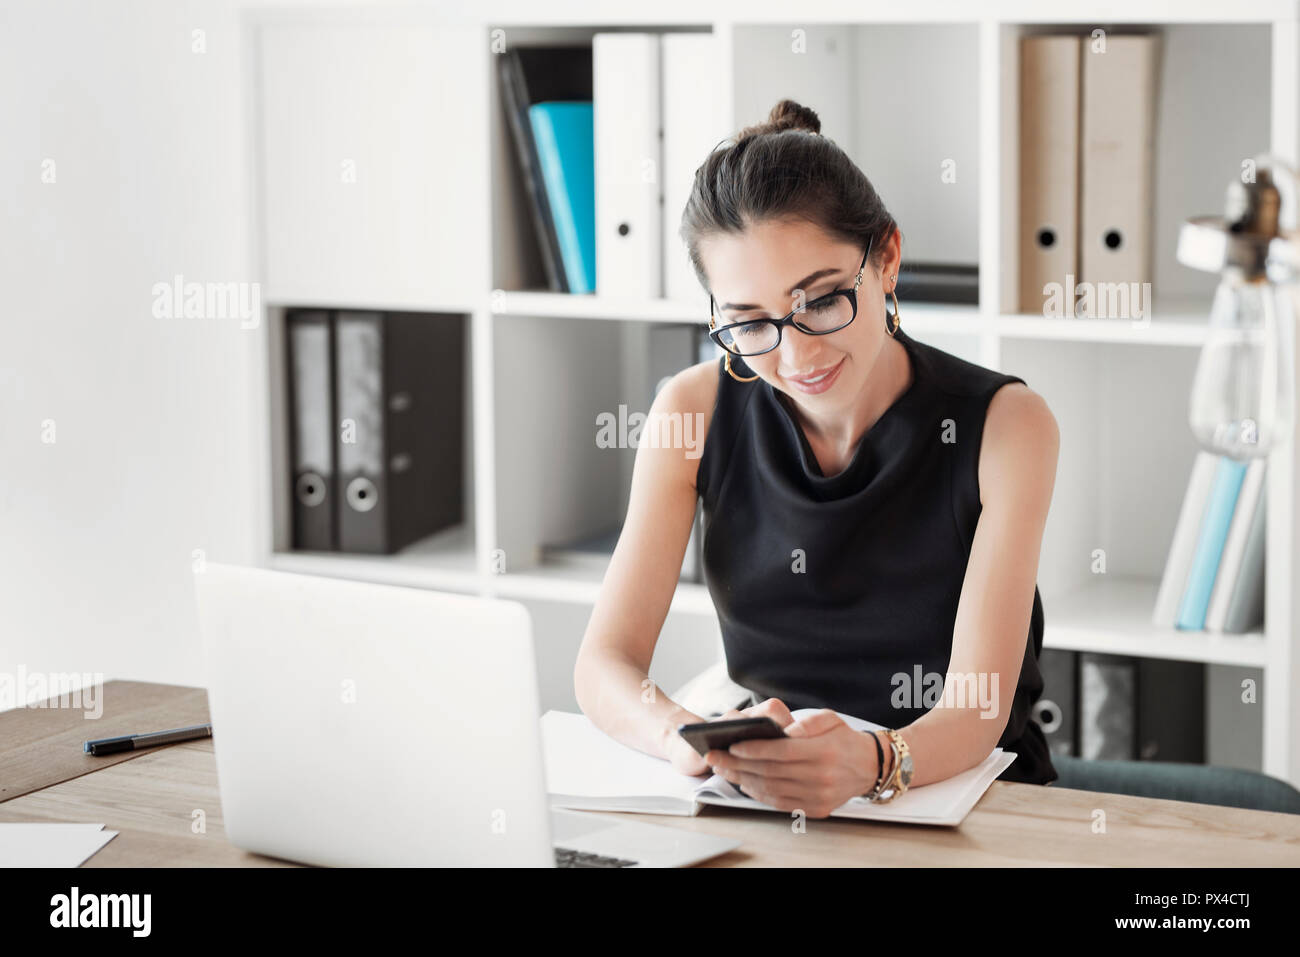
(819, 765)
(689, 761)
(679, 753)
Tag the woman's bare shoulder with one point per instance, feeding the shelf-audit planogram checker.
(688, 398)
(1020, 446)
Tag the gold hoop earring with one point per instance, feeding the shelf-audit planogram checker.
(726, 358)
(894, 327)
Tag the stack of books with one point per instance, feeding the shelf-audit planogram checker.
(1214, 575)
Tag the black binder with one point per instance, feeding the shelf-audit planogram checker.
(310, 379)
(1171, 710)
(1107, 691)
(1057, 709)
(1141, 709)
(399, 392)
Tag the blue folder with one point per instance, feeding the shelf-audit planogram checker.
(564, 134)
(1209, 545)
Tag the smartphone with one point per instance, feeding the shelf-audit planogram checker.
(721, 735)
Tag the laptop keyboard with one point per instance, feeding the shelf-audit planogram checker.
(566, 857)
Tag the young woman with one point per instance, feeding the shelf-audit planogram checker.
(873, 506)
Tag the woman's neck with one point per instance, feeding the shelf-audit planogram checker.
(836, 435)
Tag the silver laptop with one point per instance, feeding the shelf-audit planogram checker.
(358, 724)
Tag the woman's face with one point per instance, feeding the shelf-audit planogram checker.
(774, 267)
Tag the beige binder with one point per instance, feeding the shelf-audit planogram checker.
(1049, 166)
(1118, 145)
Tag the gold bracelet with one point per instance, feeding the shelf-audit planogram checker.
(901, 776)
(888, 786)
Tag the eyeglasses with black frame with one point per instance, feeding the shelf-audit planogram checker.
(820, 317)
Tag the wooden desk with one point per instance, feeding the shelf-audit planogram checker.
(150, 797)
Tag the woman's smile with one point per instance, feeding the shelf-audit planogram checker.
(819, 380)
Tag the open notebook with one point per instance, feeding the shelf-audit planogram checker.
(588, 770)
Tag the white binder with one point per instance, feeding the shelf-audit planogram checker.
(629, 218)
(1117, 149)
(693, 124)
(1049, 167)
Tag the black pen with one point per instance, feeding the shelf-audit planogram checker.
(133, 742)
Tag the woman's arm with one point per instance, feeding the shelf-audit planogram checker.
(1017, 472)
(611, 673)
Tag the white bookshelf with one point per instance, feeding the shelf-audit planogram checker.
(1118, 389)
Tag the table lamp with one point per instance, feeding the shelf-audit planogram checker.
(1242, 397)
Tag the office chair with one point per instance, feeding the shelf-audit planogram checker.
(1202, 784)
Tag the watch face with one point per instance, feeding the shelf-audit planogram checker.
(906, 769)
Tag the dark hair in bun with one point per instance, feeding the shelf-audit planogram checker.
(783, 169)
(786, 115)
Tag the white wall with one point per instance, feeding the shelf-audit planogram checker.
(152, 417)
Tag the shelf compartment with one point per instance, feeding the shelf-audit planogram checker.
(563, 475)
(1212, 110)
(280, 539)
(1125, 457)
(517, 259)
(926, 172)
(1113, 616)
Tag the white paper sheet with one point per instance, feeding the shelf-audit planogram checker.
(583, 761)
(50, 845)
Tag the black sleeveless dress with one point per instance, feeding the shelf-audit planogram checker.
(828, 588)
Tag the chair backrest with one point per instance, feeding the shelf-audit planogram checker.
(1202, 784)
